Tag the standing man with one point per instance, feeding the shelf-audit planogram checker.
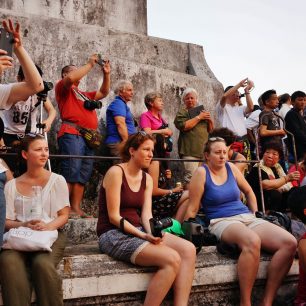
(270, 128)
(231, 114)
(74, 114)
(296, 125)
(119, 119)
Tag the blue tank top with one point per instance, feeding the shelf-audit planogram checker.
(220, 201)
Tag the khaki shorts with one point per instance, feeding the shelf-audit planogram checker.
(217, 226)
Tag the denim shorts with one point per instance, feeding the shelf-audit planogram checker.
(75, 170)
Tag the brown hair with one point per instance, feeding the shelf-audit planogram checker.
(27, 140)
(150, 98)
(134, 141)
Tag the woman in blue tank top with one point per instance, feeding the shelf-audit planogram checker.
(216, 186)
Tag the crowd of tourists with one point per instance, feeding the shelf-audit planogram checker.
(254, 161)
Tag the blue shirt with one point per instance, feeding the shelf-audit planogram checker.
(118, 108)
(220, 201)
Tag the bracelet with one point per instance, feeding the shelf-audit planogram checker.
(198, 117)
(170, 191)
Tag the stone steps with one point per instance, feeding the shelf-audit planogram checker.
(91, 278)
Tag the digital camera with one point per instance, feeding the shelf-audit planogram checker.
(157, 225)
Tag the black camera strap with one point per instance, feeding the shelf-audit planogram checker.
(79, 95)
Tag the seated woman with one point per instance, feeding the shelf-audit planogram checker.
(125, 235)
(19, 270)
(230, 138)
(275, 183)
(166, 202)
(216, 187)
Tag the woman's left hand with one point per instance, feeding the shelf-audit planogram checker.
(38, 225)
(293, 176)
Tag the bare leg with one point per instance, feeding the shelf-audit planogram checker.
(278, 241)
(76, 192)
(168, 261)
(182, 207)
(184, 278)
(248, 261)
(175, 259)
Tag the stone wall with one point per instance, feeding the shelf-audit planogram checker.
(57, 33)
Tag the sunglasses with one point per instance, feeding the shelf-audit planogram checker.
(212, 139)
(142, 133)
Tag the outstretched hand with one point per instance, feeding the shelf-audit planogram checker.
(15, 31)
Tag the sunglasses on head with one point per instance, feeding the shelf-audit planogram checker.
(212, 139)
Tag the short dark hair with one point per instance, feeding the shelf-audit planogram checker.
(266, 95)
(150, 98)
(228, 135)
(274, 145)
(297, 202)
(297, 94)
(134, 141)
(20, 73)
(65, 69)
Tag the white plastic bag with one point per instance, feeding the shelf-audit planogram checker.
(26, 239)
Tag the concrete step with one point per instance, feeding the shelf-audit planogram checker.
(91, 278)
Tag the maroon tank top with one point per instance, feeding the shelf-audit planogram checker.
(130, 204)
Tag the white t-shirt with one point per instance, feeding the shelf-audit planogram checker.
(5, 90)
(16, 118)
(55, 196)
(284, 110)
(232, 117)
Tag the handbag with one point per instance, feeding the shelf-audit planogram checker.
(92, 138)
(28, 240)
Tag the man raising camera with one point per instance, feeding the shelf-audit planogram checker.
(14, 92)
(77, 112)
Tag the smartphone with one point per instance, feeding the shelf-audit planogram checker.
(6, 41)
(100, 60)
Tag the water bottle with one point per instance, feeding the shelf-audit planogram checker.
(36, 205)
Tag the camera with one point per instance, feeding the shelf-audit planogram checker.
(92, 104)
(47, 87)
(168, 139)
(100, 60)
(157, 225)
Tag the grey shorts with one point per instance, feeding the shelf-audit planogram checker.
(218, 225)
(121, 246)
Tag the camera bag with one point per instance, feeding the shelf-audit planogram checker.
(92, 137)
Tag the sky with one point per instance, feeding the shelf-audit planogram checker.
(264, 40)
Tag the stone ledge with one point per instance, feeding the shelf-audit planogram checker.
(91, 278)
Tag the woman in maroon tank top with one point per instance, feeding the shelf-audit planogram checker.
(125, 235)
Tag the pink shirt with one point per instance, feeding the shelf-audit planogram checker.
(147, 120)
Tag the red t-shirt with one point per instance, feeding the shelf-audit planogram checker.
(71, 109)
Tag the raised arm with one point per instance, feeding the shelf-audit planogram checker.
(33, 81)
(76, 75)
(104, 89)
(5, 61)
(231, 91)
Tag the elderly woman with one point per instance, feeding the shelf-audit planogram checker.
(275, 183)
(216, 187)
(151, 121)
(193, 131)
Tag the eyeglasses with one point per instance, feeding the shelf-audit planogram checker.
(33, 135)
(212, 139)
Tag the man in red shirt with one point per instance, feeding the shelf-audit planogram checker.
(74, 113)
